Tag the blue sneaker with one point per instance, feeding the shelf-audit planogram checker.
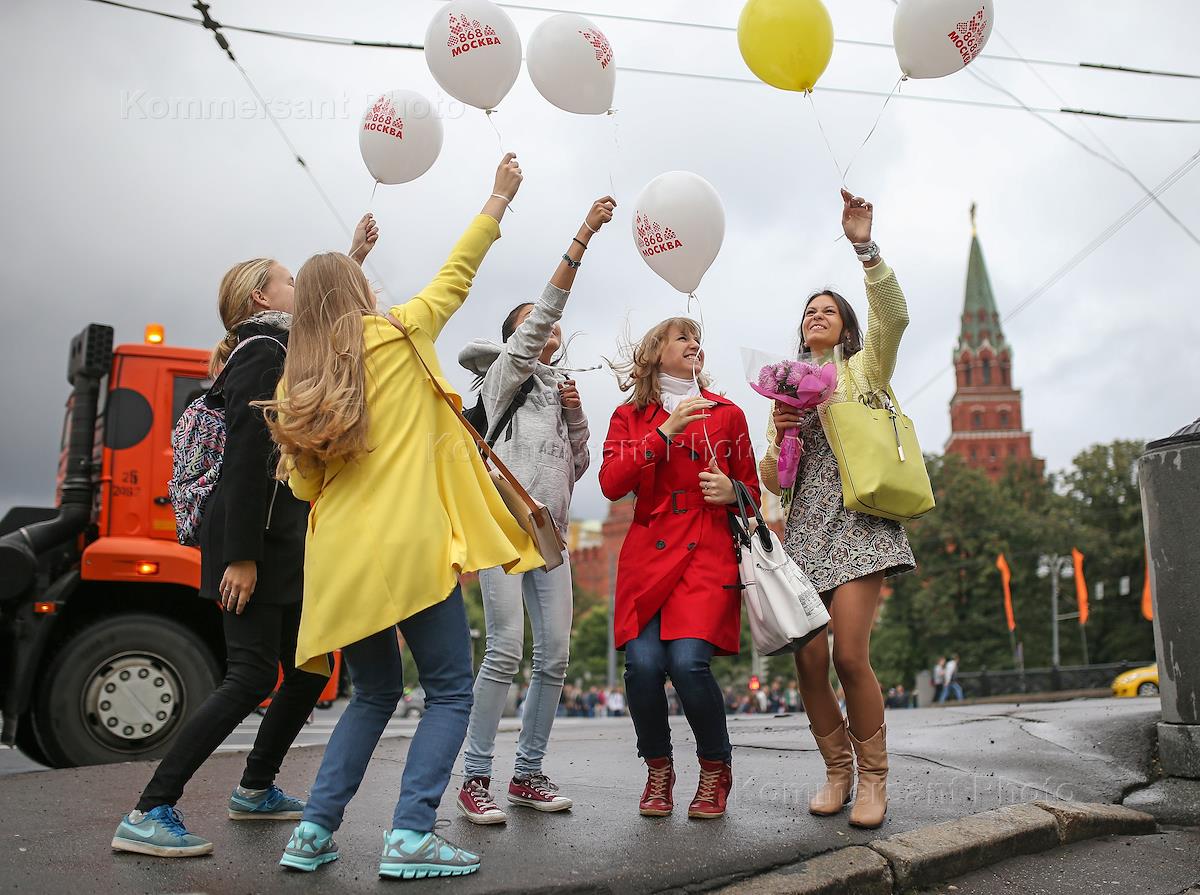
(409, 854)
(160, 833)
(270, 804)
(311, 846)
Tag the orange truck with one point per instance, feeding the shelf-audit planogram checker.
(105, 646)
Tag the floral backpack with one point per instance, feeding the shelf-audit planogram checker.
(197, 446)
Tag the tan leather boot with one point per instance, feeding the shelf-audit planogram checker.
(870, 802)
(839, 772)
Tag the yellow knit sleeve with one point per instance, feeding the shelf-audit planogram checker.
(768, 466)
(887, 318)
(434, 305)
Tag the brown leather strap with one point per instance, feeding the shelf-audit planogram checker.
(484, 447)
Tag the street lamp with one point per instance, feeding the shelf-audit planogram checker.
(1055, 567)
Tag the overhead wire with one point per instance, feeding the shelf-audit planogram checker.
(215, 27)
(350, 42)
(1124, 69)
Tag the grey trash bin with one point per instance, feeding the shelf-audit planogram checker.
(1169, 473)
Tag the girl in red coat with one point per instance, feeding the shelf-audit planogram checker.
(678, 447)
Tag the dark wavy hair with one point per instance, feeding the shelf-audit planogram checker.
(852, 339)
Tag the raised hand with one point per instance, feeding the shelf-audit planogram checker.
(601, 213)
(366, 234)
(508, 176)
(857, 217)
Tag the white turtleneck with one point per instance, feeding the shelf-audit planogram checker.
(673, 390)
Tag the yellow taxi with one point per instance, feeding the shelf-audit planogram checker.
(1139, 682)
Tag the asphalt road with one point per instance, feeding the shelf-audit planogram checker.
(945, 763)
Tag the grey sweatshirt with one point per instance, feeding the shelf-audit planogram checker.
(548, 446)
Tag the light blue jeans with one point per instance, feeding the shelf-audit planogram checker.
(547, 598)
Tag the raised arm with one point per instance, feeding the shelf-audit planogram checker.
(527, 345)
(887, 311)
(437, 302)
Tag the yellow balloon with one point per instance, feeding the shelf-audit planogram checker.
(786, 43)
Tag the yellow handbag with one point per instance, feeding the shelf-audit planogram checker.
(879, 459)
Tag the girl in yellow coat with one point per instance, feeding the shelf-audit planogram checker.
(402, 504)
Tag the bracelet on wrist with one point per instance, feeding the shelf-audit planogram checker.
(571, 262)
(501, 196)
(866, 251)
(582, 244)
(590, 227)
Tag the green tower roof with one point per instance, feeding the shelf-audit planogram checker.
(980, 319)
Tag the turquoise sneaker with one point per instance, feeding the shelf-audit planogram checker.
(311, 846)
(410, 854)
(160, 833)
(270, 804)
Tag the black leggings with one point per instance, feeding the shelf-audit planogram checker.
(255, 642)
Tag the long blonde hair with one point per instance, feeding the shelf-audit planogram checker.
(235, 304)
(322, 415)
(637, 370)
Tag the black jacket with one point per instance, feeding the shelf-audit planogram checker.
(250, 515)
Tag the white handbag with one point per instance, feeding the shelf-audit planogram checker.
(784, 608)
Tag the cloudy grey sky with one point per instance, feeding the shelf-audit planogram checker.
(124, 206)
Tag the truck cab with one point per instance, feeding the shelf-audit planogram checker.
(105, 645)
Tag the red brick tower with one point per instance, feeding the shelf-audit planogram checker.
(986, 426)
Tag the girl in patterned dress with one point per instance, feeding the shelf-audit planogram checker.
(846, 554)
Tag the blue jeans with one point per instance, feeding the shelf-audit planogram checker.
(953, 685)
(548, 600)
(440, 641)
(649, 660)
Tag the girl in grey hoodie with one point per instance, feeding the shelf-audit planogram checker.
(537, 425)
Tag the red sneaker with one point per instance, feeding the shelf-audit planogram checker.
(657, 798)
(476, 804)
(536, 791)
(716, 780)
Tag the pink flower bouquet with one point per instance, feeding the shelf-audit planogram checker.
(801, 385)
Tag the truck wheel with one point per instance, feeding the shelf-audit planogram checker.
(27, 740)
(120, 690)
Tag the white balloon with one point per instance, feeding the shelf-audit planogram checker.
(473, 50)
(400, 136)
(935, 38)
(571, 64)
(678, 227)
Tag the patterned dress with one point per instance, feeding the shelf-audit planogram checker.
(832, 544)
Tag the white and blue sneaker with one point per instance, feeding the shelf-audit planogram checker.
(410, 854)
(264, 804)
(160, 833)
(311, 846)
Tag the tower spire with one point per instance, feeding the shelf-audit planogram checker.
(980, 319)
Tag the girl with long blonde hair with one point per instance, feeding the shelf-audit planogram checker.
(251, 563)
(402, 505)
(679, 448)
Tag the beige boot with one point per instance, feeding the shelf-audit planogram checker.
(870, 802)
(839, 772)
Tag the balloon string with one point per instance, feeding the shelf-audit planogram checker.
(871, 133)
(696, 365)
(821, 127)
(616, 153)
(499, 141)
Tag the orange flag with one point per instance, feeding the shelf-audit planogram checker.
(1006, 577)
(1147, 599)
(1080, 586)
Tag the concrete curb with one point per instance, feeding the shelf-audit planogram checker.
(936, 853)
